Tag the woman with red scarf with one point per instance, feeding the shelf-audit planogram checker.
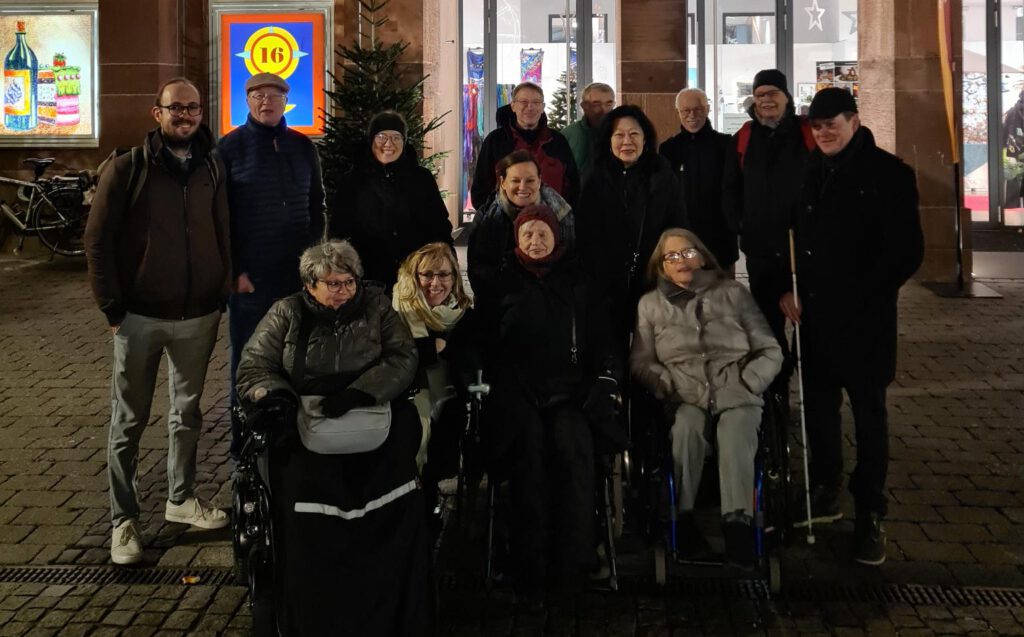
(555, 380)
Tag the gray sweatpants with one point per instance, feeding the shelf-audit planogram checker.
(138, 346)
(736, 438)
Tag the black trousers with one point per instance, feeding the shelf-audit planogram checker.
(764, 276)
(823, 399)
(547, 455)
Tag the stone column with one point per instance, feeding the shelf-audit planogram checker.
(901, 100)
(652, 59)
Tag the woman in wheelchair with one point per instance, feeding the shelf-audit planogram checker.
(704, 349)
(350, 549)
(430, 298)
(554, 381)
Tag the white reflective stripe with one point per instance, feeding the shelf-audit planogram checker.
(327, 509)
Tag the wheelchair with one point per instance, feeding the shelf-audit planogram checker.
(653, 484)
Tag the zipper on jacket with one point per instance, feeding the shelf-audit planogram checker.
(188, 254)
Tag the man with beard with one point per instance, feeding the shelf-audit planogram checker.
(858, 239)
(762, 180)
(698, 154)
(160, 268)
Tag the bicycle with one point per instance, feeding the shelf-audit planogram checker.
(54, 209)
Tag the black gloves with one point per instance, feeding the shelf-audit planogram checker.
(337, 405)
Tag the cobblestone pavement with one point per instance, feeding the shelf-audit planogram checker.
(956, 484)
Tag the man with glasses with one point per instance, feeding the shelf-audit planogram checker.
(763, 173)
(160, 269)
(597, 101)
(698, 154)
(523, 125)
(277, 204)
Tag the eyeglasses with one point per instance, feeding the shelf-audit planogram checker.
(685, 112)
(191, 108)
(384, 138)
(673, 257)
(533, 103)
(769, 94)
(348, 285)
(272, 98)
(443, 276)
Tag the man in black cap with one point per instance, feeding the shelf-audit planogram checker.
(858, 240)
(276, 196)
(760, 187)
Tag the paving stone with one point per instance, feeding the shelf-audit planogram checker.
(180, 620)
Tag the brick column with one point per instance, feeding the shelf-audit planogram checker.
(901, 100)
(652, 58)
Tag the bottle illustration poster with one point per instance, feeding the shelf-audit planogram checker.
(49, 62)
(288, 44)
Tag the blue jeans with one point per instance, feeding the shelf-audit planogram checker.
(245, 313)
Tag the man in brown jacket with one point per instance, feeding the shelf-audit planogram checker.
(159, 264)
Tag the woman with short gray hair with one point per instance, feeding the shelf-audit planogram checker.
(353, 555)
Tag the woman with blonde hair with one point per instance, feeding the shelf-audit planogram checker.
(430, 298)
(704, 349)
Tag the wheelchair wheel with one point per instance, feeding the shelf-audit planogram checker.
(660, 564)
(261, 594)
(239, 541)
(618, 505)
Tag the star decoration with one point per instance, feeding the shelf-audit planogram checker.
(852, 15)
(814, 12)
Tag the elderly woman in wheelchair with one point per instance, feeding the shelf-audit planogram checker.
(704, 349)
(331, 365)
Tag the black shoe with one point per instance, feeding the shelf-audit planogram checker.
(869, 539)
(824, 507)
(739, 544)
(690, 542)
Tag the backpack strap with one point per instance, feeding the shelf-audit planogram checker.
(301, 346)
(137, 177)
(742, 141)
(213, 167)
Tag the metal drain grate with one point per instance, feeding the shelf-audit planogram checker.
(76, 575)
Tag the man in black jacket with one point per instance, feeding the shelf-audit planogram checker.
(763, 173)
(276, 197)
(523, 125)
(858, 237)
(698, 154)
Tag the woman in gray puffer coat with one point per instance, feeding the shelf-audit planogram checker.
(351, 547)
(703, 347)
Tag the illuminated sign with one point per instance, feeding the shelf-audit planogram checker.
(49, 76)
(287, 44)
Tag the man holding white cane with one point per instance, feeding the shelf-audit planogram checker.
(858, 240)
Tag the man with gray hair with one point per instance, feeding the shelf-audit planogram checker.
(597, 100)
(698, 154)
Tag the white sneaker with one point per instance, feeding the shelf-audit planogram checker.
(125, 545)
(191, 512)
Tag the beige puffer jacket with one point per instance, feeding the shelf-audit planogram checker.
(707, 346)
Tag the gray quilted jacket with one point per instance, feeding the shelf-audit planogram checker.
(707, 346)
(366, 347)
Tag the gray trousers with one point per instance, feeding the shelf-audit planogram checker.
(736, 438)
(138, 346)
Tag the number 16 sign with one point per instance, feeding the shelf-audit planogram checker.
(287, 44)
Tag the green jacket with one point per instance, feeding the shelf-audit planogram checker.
(582, 138)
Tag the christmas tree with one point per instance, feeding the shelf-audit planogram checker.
(370, 82)
(563, 111)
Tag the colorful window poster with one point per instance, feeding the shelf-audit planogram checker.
(49, 75)
(289, 44)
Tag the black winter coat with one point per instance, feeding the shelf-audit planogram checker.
(387, 211)
(621, 215)
(548, 147)
(540, 321)
(699, 158)
(759, 197)
(858, 237)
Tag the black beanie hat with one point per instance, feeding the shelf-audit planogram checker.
(772, 77)
(830, 102)
(388, 120)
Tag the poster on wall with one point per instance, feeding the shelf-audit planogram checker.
(290, 44)
(843, 74)
(49, 75)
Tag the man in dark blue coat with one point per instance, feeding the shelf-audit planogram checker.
(858, 240)
(276, 197)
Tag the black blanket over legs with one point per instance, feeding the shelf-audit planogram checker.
(354, 558)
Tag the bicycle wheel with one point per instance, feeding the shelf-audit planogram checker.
(59, 221)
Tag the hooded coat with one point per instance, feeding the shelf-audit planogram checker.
(858, 240)
(699, 158)
(387, 211)
(548, 147)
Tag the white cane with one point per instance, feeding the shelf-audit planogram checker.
(800, 384)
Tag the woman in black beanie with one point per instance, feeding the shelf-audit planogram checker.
(388, 205)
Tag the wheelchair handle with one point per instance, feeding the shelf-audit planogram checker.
(479, 388)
